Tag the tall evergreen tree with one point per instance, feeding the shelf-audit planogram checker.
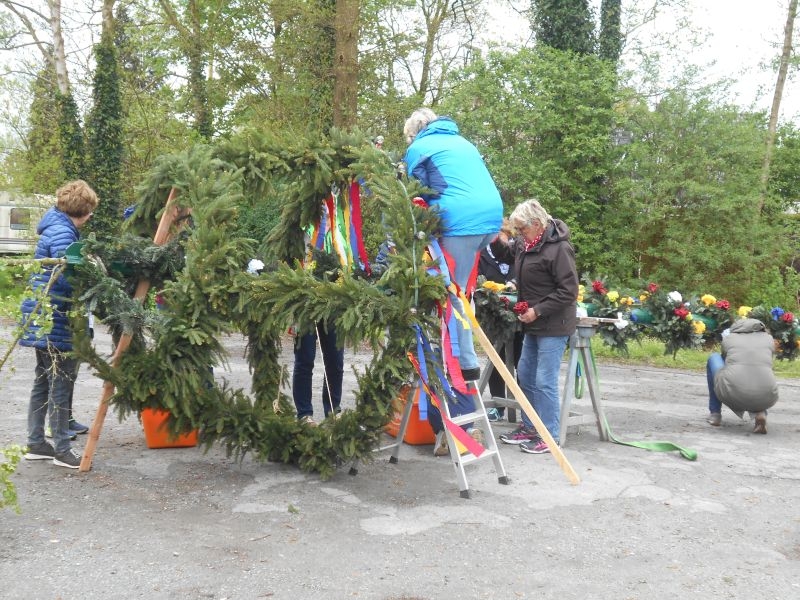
(104, 134)
(609, 43)
(40, 165)
(72, 147)
(564, 25)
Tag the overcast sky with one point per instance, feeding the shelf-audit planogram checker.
(743, 35)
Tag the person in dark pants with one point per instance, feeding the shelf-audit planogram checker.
(55, 370)
(305, 353)
(494, 269)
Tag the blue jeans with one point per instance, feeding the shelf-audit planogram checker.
(713, 366)
(54, 380)
(538, 372)
(464, 250)
(305, 353)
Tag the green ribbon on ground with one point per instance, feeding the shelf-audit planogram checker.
(687, 453)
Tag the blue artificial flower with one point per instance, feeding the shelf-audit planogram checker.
(777, 313)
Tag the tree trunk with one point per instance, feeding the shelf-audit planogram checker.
(108, 16)
(345, 66)
(59, 55)
(786, 55)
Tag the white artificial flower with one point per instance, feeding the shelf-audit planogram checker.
(675, 297)
(255, 266)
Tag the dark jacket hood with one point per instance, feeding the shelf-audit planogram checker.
(557, 231)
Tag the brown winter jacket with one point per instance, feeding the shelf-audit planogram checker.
(746, 382)
(547, 279)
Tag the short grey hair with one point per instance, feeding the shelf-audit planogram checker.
(527, 213)
(418, 120)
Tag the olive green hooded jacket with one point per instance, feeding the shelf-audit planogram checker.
(746, 382)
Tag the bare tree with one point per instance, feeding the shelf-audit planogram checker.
(783, 69)
(52, 50)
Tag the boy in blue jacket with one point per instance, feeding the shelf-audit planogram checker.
(55, 370)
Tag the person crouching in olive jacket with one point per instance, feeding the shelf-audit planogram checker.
(741, 377)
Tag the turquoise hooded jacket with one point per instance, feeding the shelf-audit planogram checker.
(465, 193)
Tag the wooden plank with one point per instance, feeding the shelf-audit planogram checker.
(162, 235)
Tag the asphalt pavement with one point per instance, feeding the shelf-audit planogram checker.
(640, 525)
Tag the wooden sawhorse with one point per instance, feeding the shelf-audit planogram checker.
(580, 347)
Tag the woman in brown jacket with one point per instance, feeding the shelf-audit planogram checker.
(547, 280)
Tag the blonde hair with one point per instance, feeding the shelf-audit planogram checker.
(527, 213)
(418, 120)
(76, 198)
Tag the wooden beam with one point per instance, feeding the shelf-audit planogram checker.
(163, 233)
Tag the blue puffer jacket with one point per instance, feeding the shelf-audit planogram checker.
(444, 161)
(56, 231)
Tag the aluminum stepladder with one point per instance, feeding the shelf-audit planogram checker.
(478, 416)
(480, 420)
(580, 348)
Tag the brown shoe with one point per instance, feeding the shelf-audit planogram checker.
(714, 419)
(761, 423)
(440, 448)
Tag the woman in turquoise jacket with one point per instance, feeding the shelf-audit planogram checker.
(466, 197)
(471, 211)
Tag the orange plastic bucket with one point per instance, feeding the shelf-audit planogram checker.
(157, 435)
(418, 432)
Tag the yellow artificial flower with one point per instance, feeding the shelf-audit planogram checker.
(689, 317)
(580, 298)
(494, 286)
(699, 326)
(613, 296)
(744, 311)
(708, 299)
(643, 297)
(627, 300)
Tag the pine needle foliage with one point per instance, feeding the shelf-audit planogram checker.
(207, 294)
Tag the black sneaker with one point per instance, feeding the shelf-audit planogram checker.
(43, 451)
(69, 459)
(79, 428)
(521, 435)
(471, 374)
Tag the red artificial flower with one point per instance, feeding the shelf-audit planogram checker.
(723, 304)
(681, 313)
(521, 307)
(417, 201)
(788, 317)
(505, 301)
(597, 286)
(652, 287)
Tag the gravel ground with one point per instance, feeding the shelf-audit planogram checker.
(184, 524)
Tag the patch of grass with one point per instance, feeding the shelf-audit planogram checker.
(650, 353)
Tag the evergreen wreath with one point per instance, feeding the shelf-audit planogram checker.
(207, 294)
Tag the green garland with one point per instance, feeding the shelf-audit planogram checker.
(210, 294)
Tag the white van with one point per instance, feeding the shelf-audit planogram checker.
(19, 215)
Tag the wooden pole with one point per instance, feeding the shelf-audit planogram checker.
(162, 235)
(519, 395)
